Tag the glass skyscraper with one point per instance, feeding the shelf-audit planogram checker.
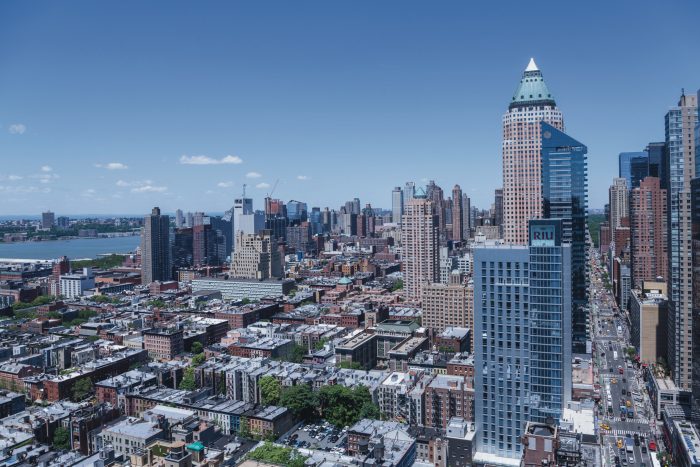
(633, 167)
(565, 197)
(522, 310)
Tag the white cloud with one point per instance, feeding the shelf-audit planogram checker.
(303, 177)
(46, 168)
(253, 175)
(11, 177)
(209, 192)
(112, 166)
(224, 184)
(206, 160)
(136, 183)
(149, 189)
(17, 129)
(45, 177)
(89, 193)
(24, 189)
(262, 185)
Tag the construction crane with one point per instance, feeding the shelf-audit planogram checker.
(274, 187)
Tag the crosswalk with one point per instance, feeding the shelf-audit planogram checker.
(621, 432)
(642, 420)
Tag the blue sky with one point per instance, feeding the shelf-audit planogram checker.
(102, 102)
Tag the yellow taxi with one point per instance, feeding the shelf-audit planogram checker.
(604, 426)
(614, 380)
(619, 443)
(628, 404)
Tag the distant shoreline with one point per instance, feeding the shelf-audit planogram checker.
(73, 237)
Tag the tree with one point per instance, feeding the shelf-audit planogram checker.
(188, 382)
(197, 348)
(81, 389)
(350, 365)
(398, 285)
(300, 400)
(61, 439)
(270, 390)
(297, 353)
(274, 454)
(343, 406)
(198, 359)
(320, 344)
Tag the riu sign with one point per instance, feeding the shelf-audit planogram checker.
(542, 235)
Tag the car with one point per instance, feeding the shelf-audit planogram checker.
(623, 392)
(614, 380)
(604, 426)
(611, 370)
(624, 381)
(644, 449)
(652, 445)
(619, 443)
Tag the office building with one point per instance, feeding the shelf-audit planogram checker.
(296, 211)
(179, 219)
(75, 285)
(448, 305)
(649, 247)
(565, 197)
(204, 245)
(657, 164)
(256, 257)
(155, 248)
(457, 214)
(522, 343)
(47, 219)
(419, 246)
(648, 316)
(633, 167)
(396, 204)
(618, 197)
(680, 122)
(531, 104)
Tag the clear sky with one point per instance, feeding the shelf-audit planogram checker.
(113, 107)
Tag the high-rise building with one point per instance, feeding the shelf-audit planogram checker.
(680, 122)
(457, 214)
(619, 202)
(47, 219)
(155, 248)
(437, 196)
(695, 206)
(565, 197)
(466, 217)
(409, 192)
(299, 237)
(657, 165)
(179, 219)
(204, 245)
(419, 246)
(498, 206)
(649, 246)
(522, 339)
(446, 305)
(296, 211)
(256, 257)
(182, 249)
(198, 218)
(396, 204)
(531, 104)
(60, 267)
(633, 167)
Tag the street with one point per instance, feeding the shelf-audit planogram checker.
(625, 418)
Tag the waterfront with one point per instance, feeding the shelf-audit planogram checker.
(75, 249)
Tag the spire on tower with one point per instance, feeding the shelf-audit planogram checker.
(532, 66)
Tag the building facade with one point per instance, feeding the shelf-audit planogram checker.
(419, 247)
(522, 300)
(649, 247)
(155, 248)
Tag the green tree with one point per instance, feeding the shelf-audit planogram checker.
(344, 406)
(61, 439)
(81, 389)
(270, 390)
(297, 354)
(300, 400)
(350, 365)
(274, 454)
(197, 347)
(320, 344)
(198, 359)
(188, 382)
(398, 285)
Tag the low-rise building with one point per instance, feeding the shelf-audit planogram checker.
(163, 343)
(129, 436)
(360, 349)
(239, 289)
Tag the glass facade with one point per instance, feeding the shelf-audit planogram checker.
(522, 300)
(565, 197)
(633, 167)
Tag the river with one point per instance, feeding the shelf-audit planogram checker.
(78, 248)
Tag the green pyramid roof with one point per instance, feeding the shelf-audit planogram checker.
(196, 446)
(532, 89)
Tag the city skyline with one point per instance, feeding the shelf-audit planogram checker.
(266, 100)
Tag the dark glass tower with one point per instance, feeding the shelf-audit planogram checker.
(565, 197)
(155, 248)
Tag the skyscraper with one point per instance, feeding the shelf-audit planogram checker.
(396, 204)
(522, 339)
(409, 191)
(680, 124)
(47, 219)
(419, 246)
(179, 219)
(466, 217)
(695, 207)
(618, 195)
(437, 196)
(457, 214)
(633, 167)
(657, 165)
(155, 248)
(498, 206)
(522, 185)
(648, 232)
(565, 197)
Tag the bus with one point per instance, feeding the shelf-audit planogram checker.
(629, 445)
